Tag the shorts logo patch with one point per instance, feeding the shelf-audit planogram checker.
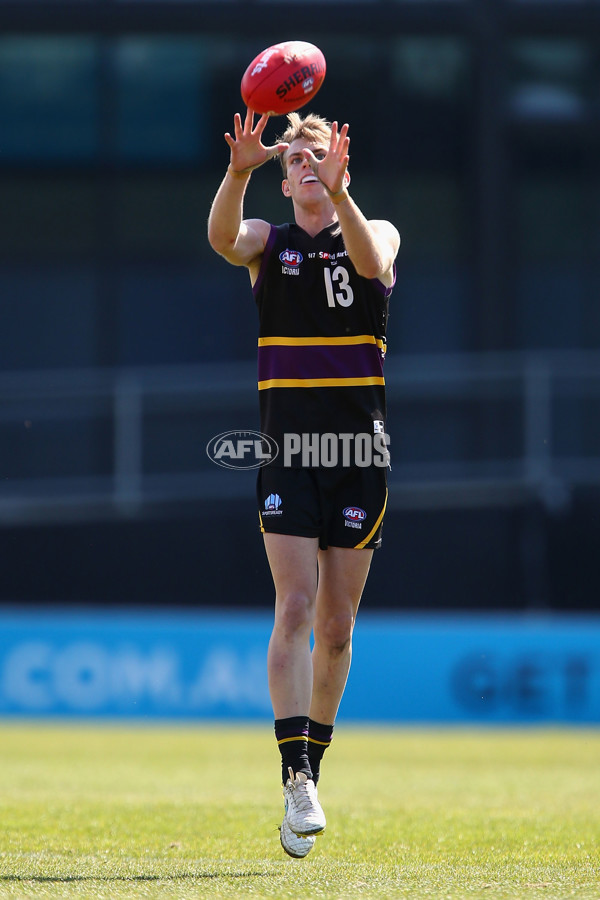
(272, 505)
(354, 516)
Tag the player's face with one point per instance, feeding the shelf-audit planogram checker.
(301, 180)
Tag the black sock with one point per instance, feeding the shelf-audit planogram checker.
(319, 739)
(292, 738)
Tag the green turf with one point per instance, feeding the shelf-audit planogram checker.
(178, 812)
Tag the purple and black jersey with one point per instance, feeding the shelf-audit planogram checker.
(321, 343)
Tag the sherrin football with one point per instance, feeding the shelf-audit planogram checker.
(283, 77)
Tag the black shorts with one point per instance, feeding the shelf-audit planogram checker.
(342, 507)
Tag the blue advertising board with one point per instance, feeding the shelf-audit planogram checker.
(209, 665)
(477, 669)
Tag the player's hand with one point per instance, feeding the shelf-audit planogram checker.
(331, 170)
(247, 149)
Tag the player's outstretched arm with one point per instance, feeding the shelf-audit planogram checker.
(239, 241)
(372, 245)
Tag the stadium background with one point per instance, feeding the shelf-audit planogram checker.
(126, 344)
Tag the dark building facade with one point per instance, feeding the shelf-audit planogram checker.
(125, 343)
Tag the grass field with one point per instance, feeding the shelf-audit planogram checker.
(156, 812)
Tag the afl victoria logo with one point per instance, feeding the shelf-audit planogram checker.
(242, 449)
(291, 257)
(355, 514)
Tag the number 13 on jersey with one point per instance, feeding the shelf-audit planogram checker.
(337, 286)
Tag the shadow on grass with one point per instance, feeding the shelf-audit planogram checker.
(65, 879)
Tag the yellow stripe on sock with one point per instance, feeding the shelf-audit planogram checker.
(300, 737)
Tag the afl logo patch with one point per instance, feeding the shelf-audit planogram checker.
(355, 514)
(291, 257)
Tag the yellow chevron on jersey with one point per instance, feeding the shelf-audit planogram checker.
(318, 382)
(347, 340)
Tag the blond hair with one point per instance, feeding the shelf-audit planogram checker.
(312, 128)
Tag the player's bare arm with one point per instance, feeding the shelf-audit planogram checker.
(372, 245)
(240, 241)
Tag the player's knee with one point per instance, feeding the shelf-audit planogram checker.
(295, 612)
(335, 632)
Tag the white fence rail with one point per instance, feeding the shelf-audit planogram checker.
(471, 429)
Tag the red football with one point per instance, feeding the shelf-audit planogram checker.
(283, 77)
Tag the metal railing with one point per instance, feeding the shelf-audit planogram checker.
(469, 429)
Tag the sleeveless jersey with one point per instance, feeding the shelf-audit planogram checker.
(321, 341)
